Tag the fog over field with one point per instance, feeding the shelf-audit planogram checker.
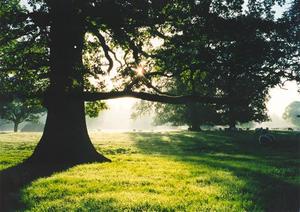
(118, 117)
(280, 98)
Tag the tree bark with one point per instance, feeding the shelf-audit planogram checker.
(163, 98)
(65, 138)
(232, 126)
(16, 125)
(193, 117)
(194, 128)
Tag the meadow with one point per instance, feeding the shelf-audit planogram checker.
(167, 171)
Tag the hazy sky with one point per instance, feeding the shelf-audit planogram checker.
(280, 98)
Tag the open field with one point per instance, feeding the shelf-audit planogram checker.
(169, 171)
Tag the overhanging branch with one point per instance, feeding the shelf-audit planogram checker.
(153, 97)
(105, 47)
(95, 96)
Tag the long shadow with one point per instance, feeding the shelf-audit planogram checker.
(13, 179)
(281, 196)
(214, 142)
(239, 154)
(274, 193)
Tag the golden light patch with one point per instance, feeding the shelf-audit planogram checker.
(140, 70)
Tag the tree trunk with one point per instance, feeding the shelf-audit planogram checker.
(232, 118)
(16, 125)
(192, 108)
(65, 139)
(232, 126)
(193, 117)
(194, 128)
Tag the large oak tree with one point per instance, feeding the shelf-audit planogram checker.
(65, 43)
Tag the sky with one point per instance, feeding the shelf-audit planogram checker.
(280, 98)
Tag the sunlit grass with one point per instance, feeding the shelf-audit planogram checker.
(178, 171)
(133, 182)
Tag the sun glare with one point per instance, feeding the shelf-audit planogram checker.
(139, 70)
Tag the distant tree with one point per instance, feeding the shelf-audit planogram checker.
(292, 113)
(248, 106)
(18, 111)
(193, 115)
(239, 64)
(210, 56)
(32, 110)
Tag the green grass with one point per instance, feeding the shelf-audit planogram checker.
(171, 171)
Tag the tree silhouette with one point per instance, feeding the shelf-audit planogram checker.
(17, 111)
(60, 45)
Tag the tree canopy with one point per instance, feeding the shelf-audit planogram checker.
(18, 111)
(89, 50)
(292, 113)
(119, 35)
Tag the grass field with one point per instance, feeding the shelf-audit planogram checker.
(170, 171)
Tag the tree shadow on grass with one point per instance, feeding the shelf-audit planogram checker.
(241, 155)
(269, 191)
(214, 142)
(13, 179)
